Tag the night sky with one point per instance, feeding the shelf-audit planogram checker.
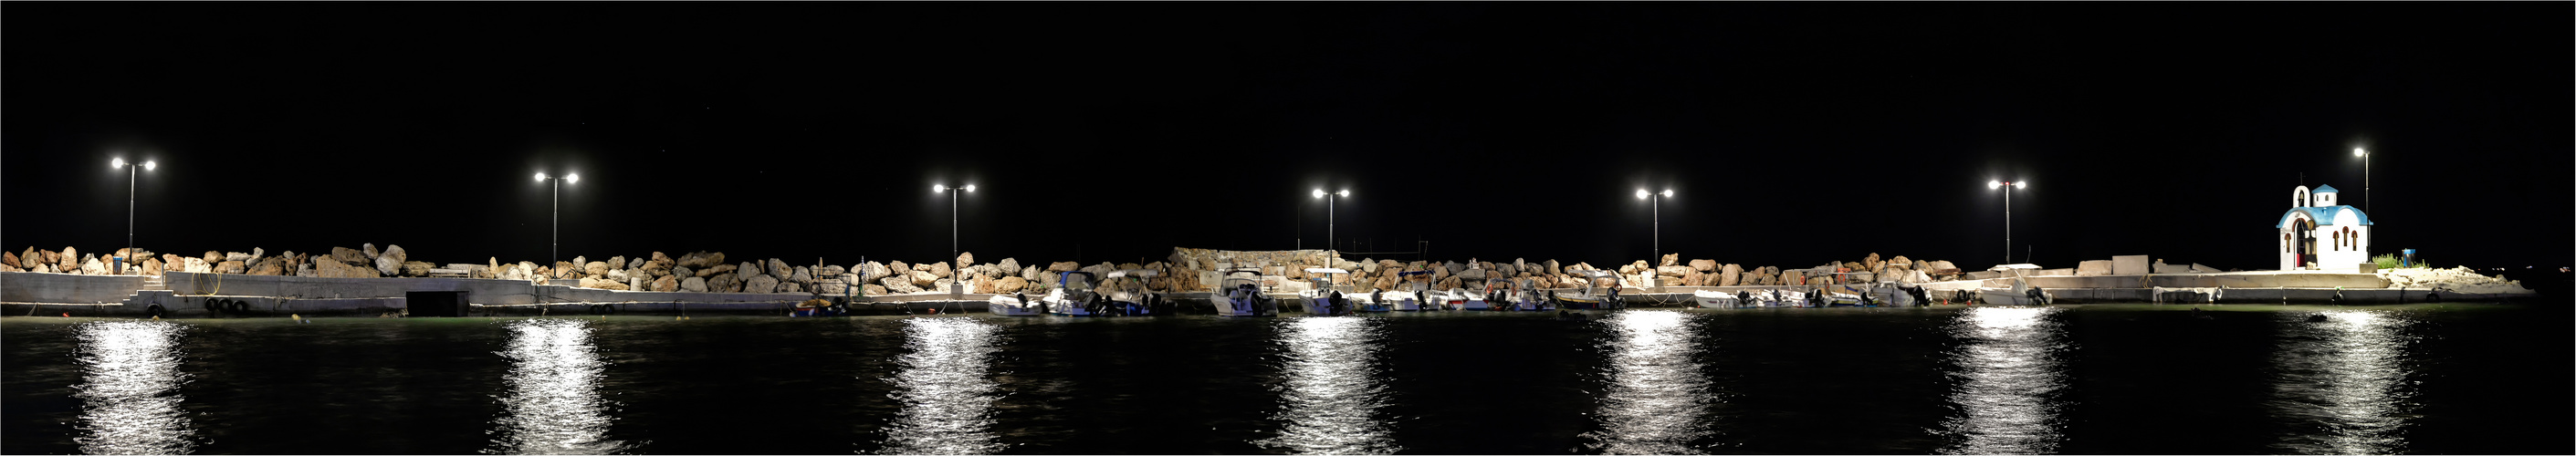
(1792, 134)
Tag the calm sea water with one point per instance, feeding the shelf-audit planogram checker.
(2070, 379)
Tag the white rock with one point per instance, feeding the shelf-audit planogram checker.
(694, 284)
(760, 284)
(369, 248)
(748, 268)
(388, 265)
(617, 275)
(237, 256)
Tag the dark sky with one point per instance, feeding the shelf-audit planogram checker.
(1792, 134)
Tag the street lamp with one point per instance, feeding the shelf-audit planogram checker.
(2365, 177)
(952, 214)
(1655, 201)
(1328, 215)
(132, 172)
(2023, 185)
(557, 239)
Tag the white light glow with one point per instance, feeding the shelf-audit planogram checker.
(1991, 185)
(946, 389)
(553, 405)
(1333, 388)
(2358, 152)
(148, 165)
(970, 188)
(1668, 193)
(938, 188)
(573, 178)
(1346, 193)
(116, 163)
(541, 177)
(2024, 185)
(1319, 193)
(130, 389)
(1641, 193)
(1657, 397)
(2009, 372)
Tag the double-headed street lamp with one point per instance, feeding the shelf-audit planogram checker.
(1655, 201)
(1328, 215)
(2023, 185)
(557, 234)
(132, 171)
(952, 214)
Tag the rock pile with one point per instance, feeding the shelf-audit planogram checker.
(2456, 280)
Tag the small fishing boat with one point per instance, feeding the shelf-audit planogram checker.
(1713, 299)
(1323, 298)
(2021, 293)
(1239, 295)
(1073, 297)
(1593, 296)
(1013, 305)
(1128, 295)
(1411, 296)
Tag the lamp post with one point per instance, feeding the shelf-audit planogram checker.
(1328, 214)
(952, 214)
(133, 171)
(2365, 177)
(2024, 185)
(556, 236)
(1655, 201)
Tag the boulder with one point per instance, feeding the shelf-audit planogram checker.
(1670, 259)
(1902, 261)
(738, 271)
(684, 272)
(195, 265)
(230, 267)
(893, 284)
(415, 268)
(776, 268)
(923, 278)
(604, 284)
(702, 259)
(965, 258)
(152, 266)
(1032, 273)
(370, 250)
(1063, 266)
(898, 268)
(237, 256)
(940, 269)
(1730, 275)
(653, 269)
(1869, 263)
(871, 271)
(748, 268)
(666, 283)
(93, 267)
(347, 257)
(760, 284)
(727, 283)
(802, 275)
(694, 284)
(336, 269)
(1674, 270)
(873, 290)
(1704, 265)
(386, 265)
(617, 275)
(1010, 284)
(1553, 269)
(595, 269)
(1008, 267)
(269, 267)
(9, 259)
(979, 284)
(832, 270)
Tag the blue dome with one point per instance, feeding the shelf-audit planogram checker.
(2324, 189)
(2323, 215)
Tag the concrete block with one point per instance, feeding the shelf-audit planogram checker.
(2129, 264)
(2093, 268)
(2369, 268)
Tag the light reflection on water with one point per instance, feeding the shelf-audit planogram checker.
(2008, 373)
(1657, 396)
(946, 393)
(131, 385)
(2345, 380)
(1330, 391)
(553, 405)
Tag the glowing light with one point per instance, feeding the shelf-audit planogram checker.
(947, 391)
(2358, 152)
(938, 188)
(1668, 193)
(1333, 389)
(553, 404)
(1319, 193)
(2009, 371)
(970, 188)
(541, 177)
(131, 388)
(1657, 396)
(148, 165)
(1346, 193)
(2023, 185)
(1991, 185)
(573, 178)
(1641, 193)
(116, 163)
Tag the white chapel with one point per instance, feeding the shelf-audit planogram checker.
(2319, 233)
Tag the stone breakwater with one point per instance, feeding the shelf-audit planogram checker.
(1184, 270)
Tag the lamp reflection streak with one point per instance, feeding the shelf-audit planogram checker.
(947, 395)
(2008, 373)
(1657, 396)
(2345, 380)
(131, 389)
(553, 404)
(1331, 390)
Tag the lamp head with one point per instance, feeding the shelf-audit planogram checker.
(1319, 193)
(573, 178)
(2358, 152)
(2024, 185)
(1346, 193)
(1641, 193)
(1668, 193)
(1991, 185)
(541, 177)
(970, 188)
(148, 165)
(938, 188)
(116, 162)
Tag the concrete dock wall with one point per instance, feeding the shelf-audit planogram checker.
(66, 288)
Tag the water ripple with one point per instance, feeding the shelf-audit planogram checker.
(946, 392)
(1330, 391)
(131, 389)
(1657, 397)
(553, 405)
(2008, 375)
(2344, 381)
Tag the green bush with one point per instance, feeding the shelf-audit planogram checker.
(2385, 261)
